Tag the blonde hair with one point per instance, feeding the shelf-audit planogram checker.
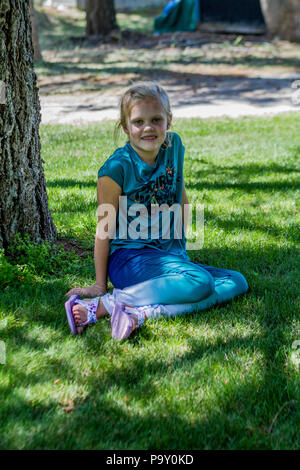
(141, 91)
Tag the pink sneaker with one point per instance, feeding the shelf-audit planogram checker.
(121, 323)
(68, 306)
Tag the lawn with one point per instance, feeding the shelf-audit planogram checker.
(217, 379)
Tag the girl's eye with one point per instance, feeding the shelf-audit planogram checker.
(156, 119)
(139, 122)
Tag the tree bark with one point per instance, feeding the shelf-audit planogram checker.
(100, 17)
(282, 18)
(23, 197)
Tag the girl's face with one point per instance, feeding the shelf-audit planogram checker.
(147, 124)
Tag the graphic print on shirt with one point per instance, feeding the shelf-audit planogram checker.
(160, 191)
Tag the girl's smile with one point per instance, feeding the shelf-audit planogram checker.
(147, 125)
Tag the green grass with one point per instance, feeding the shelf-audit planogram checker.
(141, 20)
(219, 379)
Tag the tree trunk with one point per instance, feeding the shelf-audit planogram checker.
(80, 4)
(282, 18)
(100, 17)
(23, 197)
(35, 38)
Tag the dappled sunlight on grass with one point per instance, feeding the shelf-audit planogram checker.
(209, 380)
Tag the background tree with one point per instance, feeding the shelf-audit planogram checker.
(100, 17)
(80, 4)
(35, 38)
(23, 197)
(282, 18)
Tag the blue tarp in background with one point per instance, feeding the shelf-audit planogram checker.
(178, 15)
(184, 15)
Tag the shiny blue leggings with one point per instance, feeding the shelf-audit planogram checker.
(149, 276)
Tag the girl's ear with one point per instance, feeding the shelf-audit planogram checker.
(125, 130)
(169, 121)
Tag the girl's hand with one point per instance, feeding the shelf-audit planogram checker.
(92, 291)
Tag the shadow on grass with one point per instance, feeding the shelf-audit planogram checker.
(240, 417)
(63, 68)
(213, 176)
(71, 183)
(247, 60)
(248, 187)
(202, 88)
(240, 414)
(246, 171)
(238, 223)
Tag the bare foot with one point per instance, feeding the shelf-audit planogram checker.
(80, 314)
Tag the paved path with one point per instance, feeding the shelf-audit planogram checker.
(233, 97)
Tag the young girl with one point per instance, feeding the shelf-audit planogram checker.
(152, 275)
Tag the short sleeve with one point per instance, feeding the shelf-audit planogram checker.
(178, 150)
(114, 169)
(178, 142)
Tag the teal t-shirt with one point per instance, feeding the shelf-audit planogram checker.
(148, 192)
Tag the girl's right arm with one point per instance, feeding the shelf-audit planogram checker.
(108, 192)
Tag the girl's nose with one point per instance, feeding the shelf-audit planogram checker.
(148, 127)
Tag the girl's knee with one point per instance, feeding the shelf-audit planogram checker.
(210, 286)
(240, 282)
(200, 288)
